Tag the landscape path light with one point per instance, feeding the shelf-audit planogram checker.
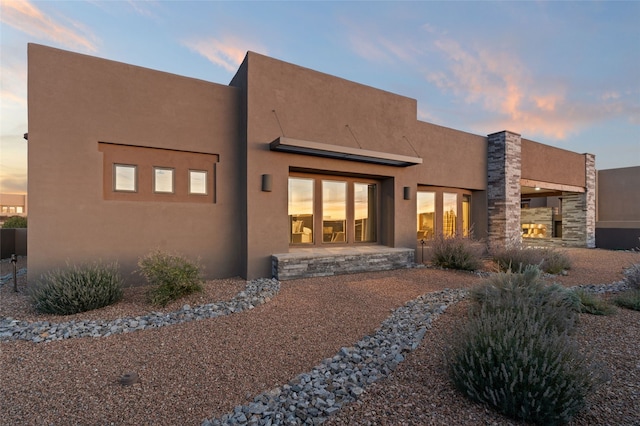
(14, 260)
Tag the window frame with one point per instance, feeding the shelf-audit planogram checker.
(206, 182)
(349, 238)
(335, 235)
(115, 177)
(427, 234)
(297, 236)
(372, 213)
(155, 179)
(461, 194)
(451, 231)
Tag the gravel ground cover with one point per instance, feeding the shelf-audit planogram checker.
(202, 369)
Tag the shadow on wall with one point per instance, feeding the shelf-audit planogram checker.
(618, 238)
(13, 241)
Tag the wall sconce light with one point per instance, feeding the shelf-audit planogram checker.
(407, 192)
(266, 183)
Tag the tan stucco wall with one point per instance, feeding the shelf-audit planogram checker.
(76, 101)
(550, 164)
(316, 107)
(451, 158)
(618, 198)
(295, 102)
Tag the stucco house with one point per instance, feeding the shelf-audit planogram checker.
(285, 171)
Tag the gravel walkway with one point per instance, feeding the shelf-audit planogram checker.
(203, 369)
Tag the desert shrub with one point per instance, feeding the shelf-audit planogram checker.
(15, 222)
(555, 261)
(549, 260)
(516, 355)
(456, 253)
(591, 304)
(516, 258)
(77, 289)
(510, 360)
(170, 276)
(505, 290)
(629, 299)
(632, 276)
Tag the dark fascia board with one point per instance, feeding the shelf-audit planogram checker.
(318, 149)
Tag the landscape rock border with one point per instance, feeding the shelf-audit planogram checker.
(254, 294)
(312, 397)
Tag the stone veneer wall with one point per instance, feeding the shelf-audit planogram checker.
(288, 267)
(579, 211)
(538, 215)
(591, 189)
(504, 169)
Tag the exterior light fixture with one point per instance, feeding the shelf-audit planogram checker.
(266, 183)
(407, 192)
(537, 188)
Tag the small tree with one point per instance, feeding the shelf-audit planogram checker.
(15, 222)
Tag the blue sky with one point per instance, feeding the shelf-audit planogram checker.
(562, 73)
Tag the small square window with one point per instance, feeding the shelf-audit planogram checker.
(198, 182)
(125, 178)
(163, 180)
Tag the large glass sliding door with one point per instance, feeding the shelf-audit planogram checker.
(343, 210)
(364, 199)
(426, 215)
(334, 211)
(449, 214)
(301, 210)
(466, 215)
(443, 211)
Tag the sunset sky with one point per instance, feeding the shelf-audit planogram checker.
(565, 74)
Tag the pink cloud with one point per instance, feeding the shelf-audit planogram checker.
(547, 102)
(228, 52)
(142, 9)
(503, 85)
(14, 83)
(368, 49)
(374, 46)
(26, 17)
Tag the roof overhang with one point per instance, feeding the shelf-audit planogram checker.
(537, 188)
(317, 149)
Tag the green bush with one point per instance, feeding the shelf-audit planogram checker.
(456, 253)
(555, 261)
(591, 304)
(511, 361)
(171, 276)
(77, 289)
(15, 222)
(632, 276)
(505, 290)
(516, 355)
(629, 299)
(549, 260)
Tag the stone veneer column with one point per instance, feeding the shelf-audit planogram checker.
(579, 210)
(504, 169)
